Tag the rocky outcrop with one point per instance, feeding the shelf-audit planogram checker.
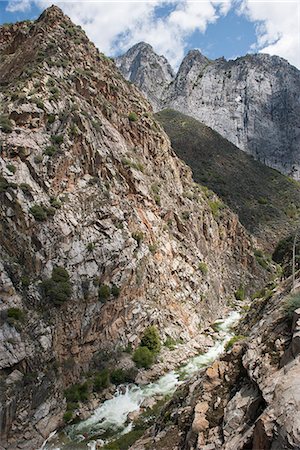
(103, 230)
(249, 398)
(252, 101)
(151, 72)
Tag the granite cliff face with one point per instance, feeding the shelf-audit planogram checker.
(252, 101)
(143, 67)
(103, 230)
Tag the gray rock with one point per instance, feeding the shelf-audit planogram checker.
(252, 101)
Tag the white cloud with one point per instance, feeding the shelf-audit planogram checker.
(19, 5)
(116, 26)
(277, 28)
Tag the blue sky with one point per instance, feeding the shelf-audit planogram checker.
(229, 28)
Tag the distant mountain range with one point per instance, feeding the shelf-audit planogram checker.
(253, 101)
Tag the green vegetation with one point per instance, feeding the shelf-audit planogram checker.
(25, 280)
(25, 188)
(57, 139)
(291, 304)
(77, 393)
(202, 266)
(50, 151)
(11, 168)
(38, 159)
(265, 200)
(15, 313)
(55, 203)
(151, 339)
(132, 117)
(143, 357)
(138, 236)
(115, 290)
(150, 346)
(68, 416)
(216, 206)
(90, 246)
(232, 341)
(39, 212)
(170, 343)
(51, 118)
(134, 165)
(104, 292)
(101, 380)
(57, 289)
(240, 293)
(6, 124)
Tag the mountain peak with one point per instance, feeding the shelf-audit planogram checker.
(142, 66)
(53, 13)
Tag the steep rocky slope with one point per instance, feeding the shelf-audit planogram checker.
(142, 66)
(252, 101)
(267, 202)
(103, 230)
(250, 397)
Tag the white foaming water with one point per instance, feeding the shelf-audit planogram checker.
(111, 418)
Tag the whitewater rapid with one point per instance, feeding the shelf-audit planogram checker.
(111, 417)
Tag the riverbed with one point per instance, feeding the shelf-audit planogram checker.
(110, 419)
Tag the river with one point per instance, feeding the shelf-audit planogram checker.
(110, 419)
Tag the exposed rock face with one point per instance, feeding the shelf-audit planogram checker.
(252, 101)
(90, 183)
(250, 398)
(142, 66)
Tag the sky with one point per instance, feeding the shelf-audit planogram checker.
(229, 28)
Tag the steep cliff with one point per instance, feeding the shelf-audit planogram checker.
(252, 101)
(103, 230)
(266, 201)
(142, 66)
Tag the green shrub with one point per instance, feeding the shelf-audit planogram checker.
(291, 304)
(118, 376)
(232, 341)
(101, 380)
(132, 116)
(240, 293)
(134, 165)
(151, 339)
(115, 290)
(57, 139)
(68, 416)
(51, 118)
(25, 281)
(138, 236)
(185, 215)
(104, 292)
(11, 168)
(55, 202)
(38, 159)
(143, 357)
(4, 184)
(50, 151)
(90, 246)
(39, 212)
(57, 289)
(77, 393)
(15, 313)
(202, 266)
(215, 207)
(170, 343)
(6, 124)
(60, 274)
(25, 188)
